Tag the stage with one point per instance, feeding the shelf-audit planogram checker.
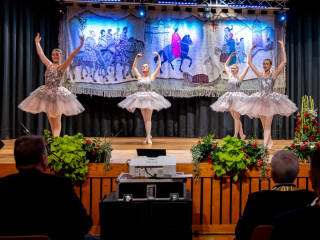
(125, 147)
(217, 203)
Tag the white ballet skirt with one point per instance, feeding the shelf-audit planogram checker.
(52, 98)
(232, 99)
(144, 98)
(266, 102)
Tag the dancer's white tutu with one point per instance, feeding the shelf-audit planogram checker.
(52, 98)
(266, 102)
(232, 99)
(144, 98)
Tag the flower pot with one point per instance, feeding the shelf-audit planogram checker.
(93, 158)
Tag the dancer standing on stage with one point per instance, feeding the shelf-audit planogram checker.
(266, 103)
(233, 98)
(52, 98)
(145, 98)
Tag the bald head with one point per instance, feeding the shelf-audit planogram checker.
(284, 166)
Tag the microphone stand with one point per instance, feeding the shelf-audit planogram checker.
(27, 132)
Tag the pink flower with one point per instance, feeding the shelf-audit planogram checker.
(304, 142)
(311, 137)
(247, 156)
(215, 147)
(298, 115)
(254, 145)
(260, 163)
(317, 144)
(297, 136)
(266, 151)
(199, 142)
(210, 161)
(94, 152)
(244, 149)
(297, 129)
(318, 130)
(299, 122)
(316, 124)
(293, 145)
(303, 147)
(88, 142)
(306, 114)
(305, 128)
(98, 146)
(209, 156)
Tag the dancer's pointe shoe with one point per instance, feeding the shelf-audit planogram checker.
(149, 141)
(270, 143)
(145, 141)
(243, 137)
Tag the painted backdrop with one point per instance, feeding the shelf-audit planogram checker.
(193, 51)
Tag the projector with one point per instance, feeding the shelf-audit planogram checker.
(160, 167)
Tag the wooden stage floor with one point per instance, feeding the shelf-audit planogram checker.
(125, 147)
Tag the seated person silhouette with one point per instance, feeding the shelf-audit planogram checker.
(302, 223)
(263, 206)
(35, 203)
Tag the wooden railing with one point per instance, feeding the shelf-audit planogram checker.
(216, 202)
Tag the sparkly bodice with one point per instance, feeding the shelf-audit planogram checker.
(266, 84)
(53, 78)
(144, 84)
(233, 84)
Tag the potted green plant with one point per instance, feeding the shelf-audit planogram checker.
(230, 157)
(70, 155)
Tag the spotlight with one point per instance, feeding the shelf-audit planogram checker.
(110, 6)
(207, 14)
(142, 13)
(176, 8)
(282, 17)
(124, 7)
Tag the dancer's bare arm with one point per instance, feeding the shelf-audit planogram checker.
(226, 65)
(244, 73)
(134, 66)
(253, 67)
(156, 72)
(43, 58)
(66, 63)
(282, 64)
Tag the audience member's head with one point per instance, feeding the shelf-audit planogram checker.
(284, 166)
(314, 172)
(30, 153)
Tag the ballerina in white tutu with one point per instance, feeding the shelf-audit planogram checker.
(52, 98)
(266, 103)
(145, 98)
(231, 100)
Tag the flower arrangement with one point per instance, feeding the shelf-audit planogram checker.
(307, 137)
(70, 155)
(230, 157)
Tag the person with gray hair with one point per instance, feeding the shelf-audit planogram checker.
(33, 202)
(262, 207)
(302, 223)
